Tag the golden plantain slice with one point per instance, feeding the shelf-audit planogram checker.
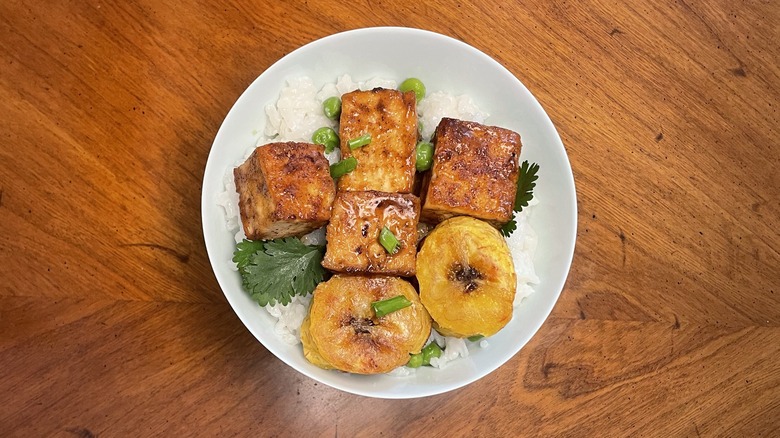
(310, 351)
(466, 277)
(342, 331)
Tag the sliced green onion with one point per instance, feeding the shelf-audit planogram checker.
(475, 338)
(390, 305)
(424, 357)
(343, 167)
(360, 141)
(388, 240)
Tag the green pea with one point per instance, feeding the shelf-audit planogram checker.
(413, 84)
(430, 351)
(326, 137)
(415, 361)
(424, 156)
(332, 107)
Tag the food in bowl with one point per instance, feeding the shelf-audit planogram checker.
(340, 156)
(342, 330)
(466, 278)
(284, 189)
(474, 173)
(386, 121)
(358, 219)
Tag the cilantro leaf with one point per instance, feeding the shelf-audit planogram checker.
(244, 250)
(526, 182)
(508, 228)
(282, 269)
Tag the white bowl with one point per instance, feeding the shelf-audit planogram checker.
(445, 64)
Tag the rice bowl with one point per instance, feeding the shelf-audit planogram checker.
(493, 90)
(294, 117)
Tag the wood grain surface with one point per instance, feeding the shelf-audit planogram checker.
(112, 323)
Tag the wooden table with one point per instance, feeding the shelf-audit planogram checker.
(111, 321)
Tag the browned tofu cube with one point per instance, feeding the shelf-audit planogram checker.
(284, 189)
(474, 173)
(387, 163)
(353, 233)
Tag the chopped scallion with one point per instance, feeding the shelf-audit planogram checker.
(359, 142)
(388, 240)
(424, 357)
(343, 167)
(390, 305)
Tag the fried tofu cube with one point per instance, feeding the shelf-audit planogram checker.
(284, 189)
(474, 173)
(353, 233)
(387, 163)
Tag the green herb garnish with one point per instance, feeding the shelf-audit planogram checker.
(508, 228)
(244, 252)
(276, 270)
(359, 142)
(424, 357)
(526, 181)
(388, 240)
(390, 305)
(343, 167)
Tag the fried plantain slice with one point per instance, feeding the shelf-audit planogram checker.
(467, 278)
(342, 331)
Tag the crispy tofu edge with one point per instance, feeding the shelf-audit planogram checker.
(409, 101)
(437, 212)
(270, 225)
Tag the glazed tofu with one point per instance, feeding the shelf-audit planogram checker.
(284, 189)
(474, 173)
(387, 162)
(353, 233)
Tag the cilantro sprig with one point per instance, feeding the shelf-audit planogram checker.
(276, 270)
(244, 252)
(526, 181)
(508, 228)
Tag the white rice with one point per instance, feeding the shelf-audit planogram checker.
(294, 117)
(523, 243)
(297, 113)
(228, 200)
(453, 349)
(440, 104)
(289, 318)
